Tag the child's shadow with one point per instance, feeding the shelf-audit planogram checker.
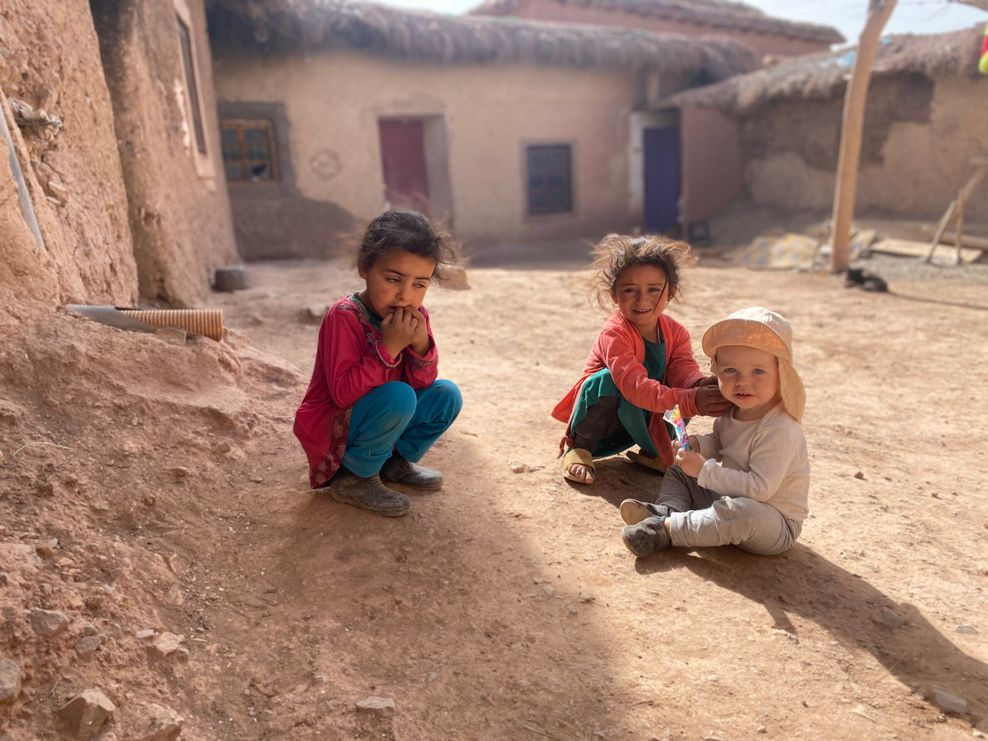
(617, 479)
(804, 583)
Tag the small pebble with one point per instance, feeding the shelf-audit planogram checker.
(968, 630)
(519, 468)
(891, 619)
(376, 704)
(949, 702)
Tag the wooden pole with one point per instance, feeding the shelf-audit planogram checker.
(956, 208)
(851, 131)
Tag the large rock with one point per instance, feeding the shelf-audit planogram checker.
(167, 643)
(85, 713)
(10, 681)
(48, 623)
(154, 722)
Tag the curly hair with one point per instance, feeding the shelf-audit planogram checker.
(615, 253)
(409, 231)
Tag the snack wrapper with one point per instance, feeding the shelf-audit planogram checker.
(675, 418)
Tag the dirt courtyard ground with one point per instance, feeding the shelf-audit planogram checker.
(505, 606)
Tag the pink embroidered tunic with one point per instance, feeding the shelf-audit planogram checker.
(350, 361)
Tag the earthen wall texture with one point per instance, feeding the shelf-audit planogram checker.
(919, 138)
(333, 101)
(50, 61)
(179, 210)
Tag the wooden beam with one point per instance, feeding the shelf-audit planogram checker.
(956, 210)
(852, 127)
(967, 240)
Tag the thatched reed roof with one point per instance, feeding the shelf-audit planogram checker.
(718, 14)
(288, 25)
(825, 75)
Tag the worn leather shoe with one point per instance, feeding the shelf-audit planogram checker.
(402, 471)
(369, 494)
(647, 537)
(633, 511)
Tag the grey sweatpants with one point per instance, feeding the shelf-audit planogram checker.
(704, 518)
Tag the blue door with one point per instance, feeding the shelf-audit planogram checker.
(661, 179)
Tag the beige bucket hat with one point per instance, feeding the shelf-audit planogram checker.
(766, 330)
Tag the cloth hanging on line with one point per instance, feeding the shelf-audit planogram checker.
(983, 62)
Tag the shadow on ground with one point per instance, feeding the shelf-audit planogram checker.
(845, 605)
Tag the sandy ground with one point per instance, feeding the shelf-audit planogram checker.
(505, 606)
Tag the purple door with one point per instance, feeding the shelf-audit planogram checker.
(661, 179)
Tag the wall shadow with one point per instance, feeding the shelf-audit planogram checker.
(455, 594)
(845, 605)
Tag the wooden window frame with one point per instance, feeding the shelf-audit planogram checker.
(240, 125)
(554, 204)
(187, 51)
(189, 94)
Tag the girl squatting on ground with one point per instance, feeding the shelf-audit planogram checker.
(641, 363)
(748, 481)
(374, 406)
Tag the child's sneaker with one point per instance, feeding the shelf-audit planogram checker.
(402, 471)
(369, 494)
(647, 537)
(633, 511)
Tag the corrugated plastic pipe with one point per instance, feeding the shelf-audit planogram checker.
(208, 322)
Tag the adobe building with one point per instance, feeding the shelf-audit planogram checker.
(696, 146)
(781, 128)
(765, 35)
(502, 129)
(114, 189)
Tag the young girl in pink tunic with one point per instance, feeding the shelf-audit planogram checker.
(374, 405)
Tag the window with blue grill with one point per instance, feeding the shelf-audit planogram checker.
(249, 153)
(550, 179)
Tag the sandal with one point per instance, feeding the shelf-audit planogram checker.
(643, 459)
(581, 457)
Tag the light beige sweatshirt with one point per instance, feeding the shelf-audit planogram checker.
(764, 459)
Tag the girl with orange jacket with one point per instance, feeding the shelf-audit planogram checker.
(641, 363)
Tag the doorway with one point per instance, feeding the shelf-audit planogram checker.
(661, 163)
(406, 178)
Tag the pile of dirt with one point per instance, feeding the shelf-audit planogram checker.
(109, 441)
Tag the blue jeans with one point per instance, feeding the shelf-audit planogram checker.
(396, 417)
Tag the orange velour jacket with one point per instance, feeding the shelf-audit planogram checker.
(620, 348)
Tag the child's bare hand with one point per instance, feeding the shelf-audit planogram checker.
(710, 402)
(690, 462)
(420, 342)
(398, 329)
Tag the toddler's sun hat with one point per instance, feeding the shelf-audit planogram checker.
(763, 329)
